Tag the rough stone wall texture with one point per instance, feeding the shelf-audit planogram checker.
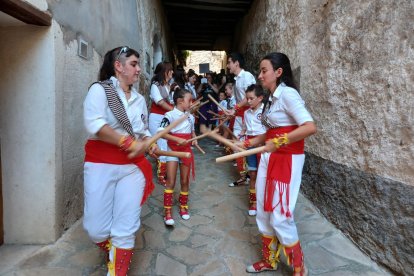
(216, 59)
(104, 25)
(354, 64)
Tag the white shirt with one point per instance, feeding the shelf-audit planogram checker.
(185, 127)
(252, 121)
(223, 104)
(97, 113)
(232, 102)
(190, 87)
(287, 108)
(243, 80)
(155, 93)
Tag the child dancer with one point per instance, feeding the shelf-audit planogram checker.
(176, 142)
(252, 126)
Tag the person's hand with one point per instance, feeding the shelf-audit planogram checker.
(239, 144)
(181, 141)
(152, 150)
(194, 143)
(138, 147)
(230, 112)
(269, 146)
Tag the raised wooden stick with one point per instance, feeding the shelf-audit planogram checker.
(240, 154)
(214, 101)
(224, 141)
(200, 149)
(179, 154)
(199, 113)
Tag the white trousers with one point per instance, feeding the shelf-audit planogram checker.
(275, 223)
(153, 125)
(113, 195)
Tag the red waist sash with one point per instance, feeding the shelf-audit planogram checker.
(102, 152)
(189, 162)
(279, 169)
(158, 109)
(240, 111)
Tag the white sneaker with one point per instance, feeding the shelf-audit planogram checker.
(169, 222)
(185, 217)
(252, 212)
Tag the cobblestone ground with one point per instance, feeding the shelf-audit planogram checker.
(219, 239)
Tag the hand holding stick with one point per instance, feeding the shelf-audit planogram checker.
(224, 141)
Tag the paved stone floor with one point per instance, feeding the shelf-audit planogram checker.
(219, 239)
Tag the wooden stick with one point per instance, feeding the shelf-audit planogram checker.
(200, 149)
(201, 136)
(225, 141)
(231, 132)
(166, 130)
(199, 113)
(214, 101)
(179, 154)
(240, 154)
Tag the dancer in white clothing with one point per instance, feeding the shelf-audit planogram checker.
(117, 177)
(161, 103)
(280, 169)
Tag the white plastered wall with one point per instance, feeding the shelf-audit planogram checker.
(28, 142)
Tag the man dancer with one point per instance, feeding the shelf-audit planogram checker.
(235, 64)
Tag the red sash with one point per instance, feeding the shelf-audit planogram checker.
(158, 109)
(189, 162)
(279, 169)
(240, 111)
(102, 152)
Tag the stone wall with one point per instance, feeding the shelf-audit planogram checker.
(354, 64)
(216, 59)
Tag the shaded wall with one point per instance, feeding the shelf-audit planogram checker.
(353, 61)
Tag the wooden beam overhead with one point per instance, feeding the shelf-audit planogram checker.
(26, 12)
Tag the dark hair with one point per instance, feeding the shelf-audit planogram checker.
(280, 60)
(107, 69)
(159, 72)
(237, 57)
(191, 73)
(257, 89)
(179, 76)
(180, 94)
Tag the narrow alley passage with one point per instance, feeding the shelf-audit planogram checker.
(219, 239)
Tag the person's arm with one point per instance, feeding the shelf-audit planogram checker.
(156, 97)
(213, 86)
(165, 105)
